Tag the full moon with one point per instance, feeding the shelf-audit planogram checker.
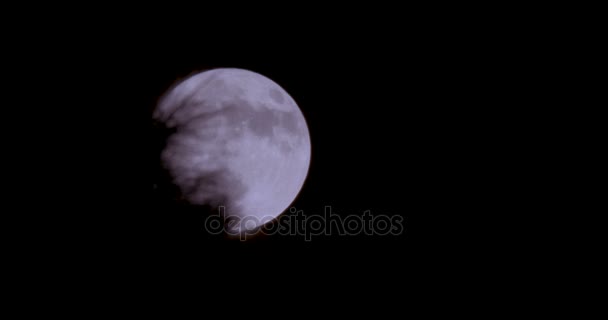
(240, 142)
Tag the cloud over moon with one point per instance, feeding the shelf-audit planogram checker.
(240, 142)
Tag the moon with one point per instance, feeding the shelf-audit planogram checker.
(240, 141)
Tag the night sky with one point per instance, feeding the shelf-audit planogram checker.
(379, 132)
(394, 130)
(446, 119)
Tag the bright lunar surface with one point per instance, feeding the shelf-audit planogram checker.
(240, 142)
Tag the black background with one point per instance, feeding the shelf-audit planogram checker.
(434, 116)
(400, 127)
(388, 132)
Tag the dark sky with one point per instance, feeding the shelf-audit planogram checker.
(382, 132)
(435, 117)
(400, 130)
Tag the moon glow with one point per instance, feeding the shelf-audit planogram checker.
(240, 142)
